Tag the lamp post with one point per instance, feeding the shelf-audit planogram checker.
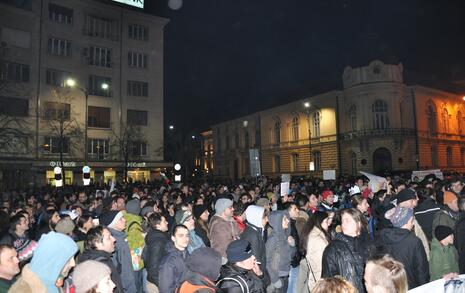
(307, 106)
(72, 83)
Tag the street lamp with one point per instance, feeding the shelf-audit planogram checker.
(171, 127)
(72, 83)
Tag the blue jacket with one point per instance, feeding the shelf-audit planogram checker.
(194, 241)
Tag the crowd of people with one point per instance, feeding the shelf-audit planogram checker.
(247, 236)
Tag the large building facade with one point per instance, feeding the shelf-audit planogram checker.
(82, 79)
(376, 123)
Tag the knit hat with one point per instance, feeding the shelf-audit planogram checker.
(399, 216)
(88, 274)
(65, 226)
(449, 196)
(133, 206)
(110, 218)
(325, 194)
(263, 202)
(406, 194)
(199, 210)
(205, 261)
(222, 204)
(146, 210)
(239, 250)
(182, 216)
(441, 232)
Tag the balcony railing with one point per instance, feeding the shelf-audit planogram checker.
(377, 132)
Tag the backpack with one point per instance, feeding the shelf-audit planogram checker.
(187, 287)
(242, 283)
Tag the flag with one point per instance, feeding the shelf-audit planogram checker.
(376, 182)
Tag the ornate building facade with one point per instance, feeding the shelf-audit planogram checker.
(376, 123)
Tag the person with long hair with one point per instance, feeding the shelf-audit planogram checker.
(313, 241)
(346, 254)
(361, 203)
(394, 278)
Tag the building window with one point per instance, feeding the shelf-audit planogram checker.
(137, 117)
(257, 138)
(431, 118)
(96, 87)
(449, 156)
(138, 32)
(295, 162)
(459, 122)
(139, 148)
(52, 145)
(317, 160)
(380, 115)
(277, 164)
(98, 149)
(236, 141)
(353, 163)
(10, 71)
(98, 117)
(138, 88)
(56, 77)
(445, 120)
(295, 128)
(100, 57)
(57, 111)
(246, 140)
(59, 47)
(316, 124)
(138, 60)
(434, 156)
(60, 14)
(102, 28)
(14, 106)
(227, 142)
(277, 132)
(353, 118)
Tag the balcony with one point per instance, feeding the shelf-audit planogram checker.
(377, 133)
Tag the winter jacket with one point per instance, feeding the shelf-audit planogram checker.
(202, 232)
(234, 279)
(408, 249)
(422, 236)
(254, 235)
(28, 282)
(172, 269)
(424, 214)
(459, 242)
(316, 245)
(154, 251)
(278, 251)
(445, 217)
(195, 241)
(443, 260)
(103, 257)
(135, 236)
(222, 232)
(122, 260)
(345, 256)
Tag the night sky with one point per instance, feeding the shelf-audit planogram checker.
(228, 58)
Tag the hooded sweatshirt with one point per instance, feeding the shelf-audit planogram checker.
(278, 251)
(54, 250)
(254, 215)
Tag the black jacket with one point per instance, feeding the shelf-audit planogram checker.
(103, 257)
(408, 249)
(154, 251)
(459, 241)
(346, 256)
(234, 279)
(202, 234)
(424, 213)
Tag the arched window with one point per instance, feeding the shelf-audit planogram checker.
(445, 120)
(246, 140)
(353, 118)
(295, 162)
(295, 128)
(277, 132)
(316, 124)
(431, 118)
(459, 122)
(236, 141)
(434, 156)
(380, 115)
(353, 163)
(277, 164)
(449, 156)
(317, 160)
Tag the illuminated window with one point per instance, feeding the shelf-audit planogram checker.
(295, 162)
(445, 120)
(316, 124)
(317, 160)
(380, 115)
(295, 128)
(277, 132)
(277, 163)
(431, 118)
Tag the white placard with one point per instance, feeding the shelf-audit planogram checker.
(284, 188)
(422, 174)
(329, 174)
(312, 166)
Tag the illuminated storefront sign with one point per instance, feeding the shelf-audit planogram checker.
(58, 163)
(135, 3)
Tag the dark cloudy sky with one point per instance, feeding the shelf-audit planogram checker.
(227, 58)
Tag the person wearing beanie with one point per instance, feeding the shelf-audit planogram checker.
(223, 228)
(242, 272)
(401, 243)
(203, 266)
(49, 266)
(201, 215)
(92, 276)
(449, 213)
(186, 218)
(443, 255)
(65, 226)
(116, 224)
(327, 201)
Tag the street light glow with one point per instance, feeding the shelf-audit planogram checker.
(171, 127)
(70, 82)
(463, 98)
(193, 137)
(307, 105)
(105, 86)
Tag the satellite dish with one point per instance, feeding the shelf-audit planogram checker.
(175, 4)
